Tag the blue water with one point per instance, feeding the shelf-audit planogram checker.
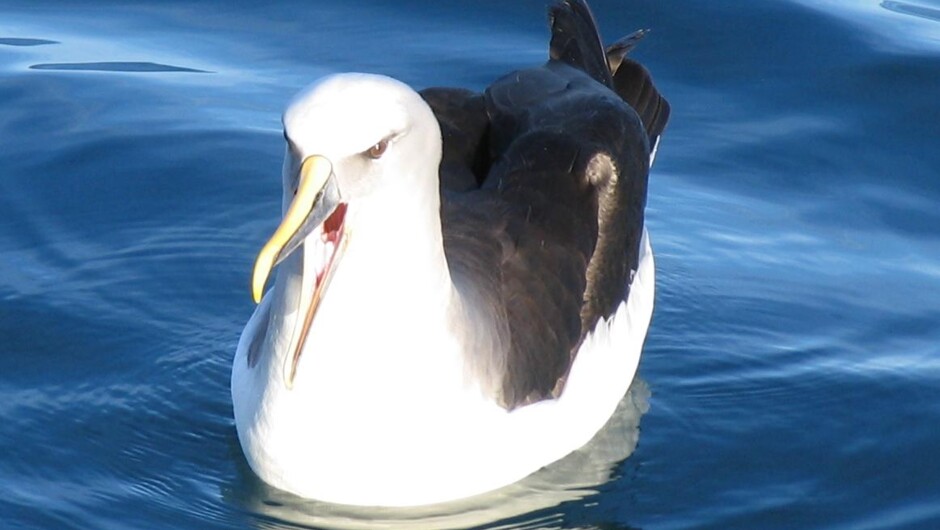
(793, 357)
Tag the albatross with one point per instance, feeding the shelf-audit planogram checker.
(463, 281)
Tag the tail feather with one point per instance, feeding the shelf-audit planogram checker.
(621, 47)
(576, 41)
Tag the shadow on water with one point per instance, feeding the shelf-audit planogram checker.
(117, 66)
(535, 502)
(906, 8)
(15, 41)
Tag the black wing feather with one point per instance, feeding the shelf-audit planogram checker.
(544, 180)
(464, 128)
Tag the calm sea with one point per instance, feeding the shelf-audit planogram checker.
(791, 377)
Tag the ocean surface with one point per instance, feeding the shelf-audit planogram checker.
(791, 375)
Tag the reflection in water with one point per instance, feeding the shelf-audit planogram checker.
(569, 479)
(116, 66)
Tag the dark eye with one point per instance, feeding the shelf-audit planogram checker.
(376, 151)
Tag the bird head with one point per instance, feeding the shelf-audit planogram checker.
(354, 141)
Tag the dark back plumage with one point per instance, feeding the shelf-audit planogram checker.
(543, 181)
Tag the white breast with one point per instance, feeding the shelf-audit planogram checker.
(385, 416)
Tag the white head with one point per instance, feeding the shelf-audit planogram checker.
(376, 131)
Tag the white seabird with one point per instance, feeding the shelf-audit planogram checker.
(464, 281)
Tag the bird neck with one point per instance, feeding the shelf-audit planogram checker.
(396, 243)
(388, 305)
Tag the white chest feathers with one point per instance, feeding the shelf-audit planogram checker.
(381, 413)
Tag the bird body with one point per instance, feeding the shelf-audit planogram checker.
(464, 280)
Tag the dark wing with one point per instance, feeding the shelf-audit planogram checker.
(464, 126)
(543, 201)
